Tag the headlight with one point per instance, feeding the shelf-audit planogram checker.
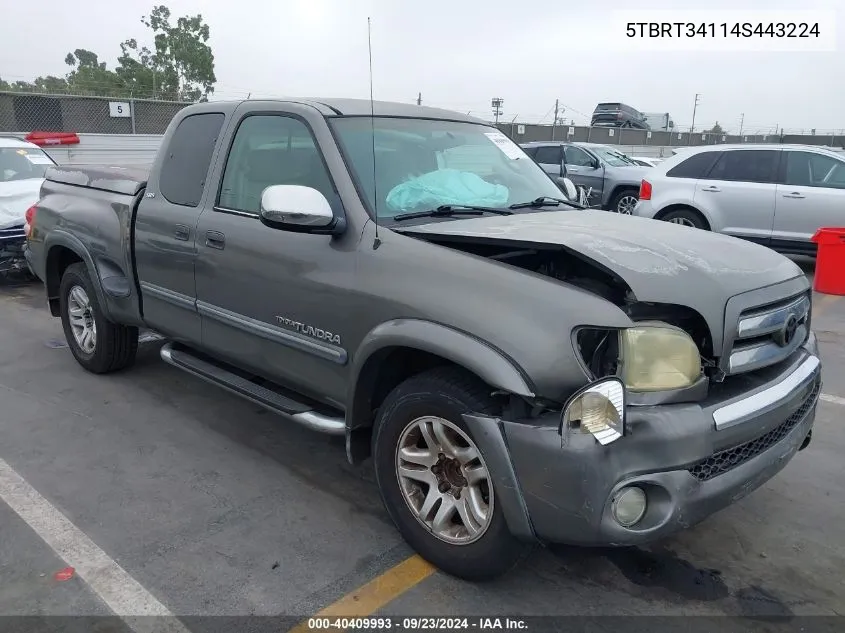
(597, 409)
(658, 357)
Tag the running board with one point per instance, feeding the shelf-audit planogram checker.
(275, 402)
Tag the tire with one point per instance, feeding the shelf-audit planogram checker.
(686, 217)
(624, 201)
(108, 346)
(443, 394)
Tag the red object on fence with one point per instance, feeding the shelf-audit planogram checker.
(52, 138)
(830, 261)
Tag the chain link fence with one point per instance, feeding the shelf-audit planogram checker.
(652, 142)
(25, 112)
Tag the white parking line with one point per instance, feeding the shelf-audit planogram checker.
(833, 399)
(121, 592)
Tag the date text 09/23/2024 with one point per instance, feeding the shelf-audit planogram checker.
(386, 623)
(787, 30)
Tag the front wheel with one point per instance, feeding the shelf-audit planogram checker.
(686, 217)
(434, 481)
(624, 202)
(99, 345)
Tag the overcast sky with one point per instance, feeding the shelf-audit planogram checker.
(459, 54)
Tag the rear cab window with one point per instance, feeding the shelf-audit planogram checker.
(185, 168)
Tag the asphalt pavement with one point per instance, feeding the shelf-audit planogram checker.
(213, 506)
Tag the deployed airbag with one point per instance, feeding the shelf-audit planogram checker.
(446, 187)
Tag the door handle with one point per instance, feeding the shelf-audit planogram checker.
(568, 168)
(182, 232)
(794, 194)
(215, 239)
(711, 189)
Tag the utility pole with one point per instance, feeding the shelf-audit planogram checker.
(741, 122)
(496, 104)
(554, 123)
(694, 108)
(419, 99)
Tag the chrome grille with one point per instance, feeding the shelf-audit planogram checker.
(769, 334)
(724, 461)
(12, 234)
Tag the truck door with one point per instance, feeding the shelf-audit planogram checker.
(165, 226)
(267, 297)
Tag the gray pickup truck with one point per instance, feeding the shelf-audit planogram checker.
(519, 371)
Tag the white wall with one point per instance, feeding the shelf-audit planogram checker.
(108, 149)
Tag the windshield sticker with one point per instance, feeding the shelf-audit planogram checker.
(508, 147)
(39, 159)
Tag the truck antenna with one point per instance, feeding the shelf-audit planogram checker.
(377, 240)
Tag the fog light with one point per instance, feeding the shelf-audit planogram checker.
(629, 506)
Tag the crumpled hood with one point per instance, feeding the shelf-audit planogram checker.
(661, 262)
(16, 197)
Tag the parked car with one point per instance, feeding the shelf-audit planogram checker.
(519, 371)
(612, 178)
(22, 167)
(618, 115)
(776, 195)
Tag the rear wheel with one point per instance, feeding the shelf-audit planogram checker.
(99, 345)
(624, 201)
(433, 479)
(686, 217)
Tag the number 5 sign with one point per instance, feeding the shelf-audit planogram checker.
(119, 109)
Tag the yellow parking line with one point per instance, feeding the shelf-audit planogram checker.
(372, 596)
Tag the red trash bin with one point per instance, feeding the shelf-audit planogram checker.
(830, 261)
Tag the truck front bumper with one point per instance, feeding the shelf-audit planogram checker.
(691, 460)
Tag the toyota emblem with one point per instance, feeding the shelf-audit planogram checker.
(787, 332)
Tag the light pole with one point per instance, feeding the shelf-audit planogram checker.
(496, 104)
(694, 108)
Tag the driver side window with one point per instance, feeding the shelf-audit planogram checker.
(578, 157)
(271, 150)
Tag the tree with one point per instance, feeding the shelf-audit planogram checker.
(91, 77)
(180, 65)
(716, 129)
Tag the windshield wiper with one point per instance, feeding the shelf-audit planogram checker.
(447, 210)
(544, 201)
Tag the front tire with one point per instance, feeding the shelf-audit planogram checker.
(686, 217)
(433, 479)
(624, 202)
(96, 343)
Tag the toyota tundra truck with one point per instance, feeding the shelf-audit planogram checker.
(519, 371)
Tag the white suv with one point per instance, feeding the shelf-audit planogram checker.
(777, 195)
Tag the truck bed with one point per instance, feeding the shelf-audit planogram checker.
(127, 180)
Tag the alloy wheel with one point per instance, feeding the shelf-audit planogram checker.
(444, 480)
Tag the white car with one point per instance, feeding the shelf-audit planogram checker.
(775, 195)
(22, 167)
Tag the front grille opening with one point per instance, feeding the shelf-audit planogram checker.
(723, 461)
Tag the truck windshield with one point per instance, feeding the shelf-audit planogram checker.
(422, 164)
(18, 163)
(612, 157)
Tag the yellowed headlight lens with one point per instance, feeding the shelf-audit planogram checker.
(659, 358)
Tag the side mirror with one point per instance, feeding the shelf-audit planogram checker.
(297, 208)
(597, 164)
(568, 187)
